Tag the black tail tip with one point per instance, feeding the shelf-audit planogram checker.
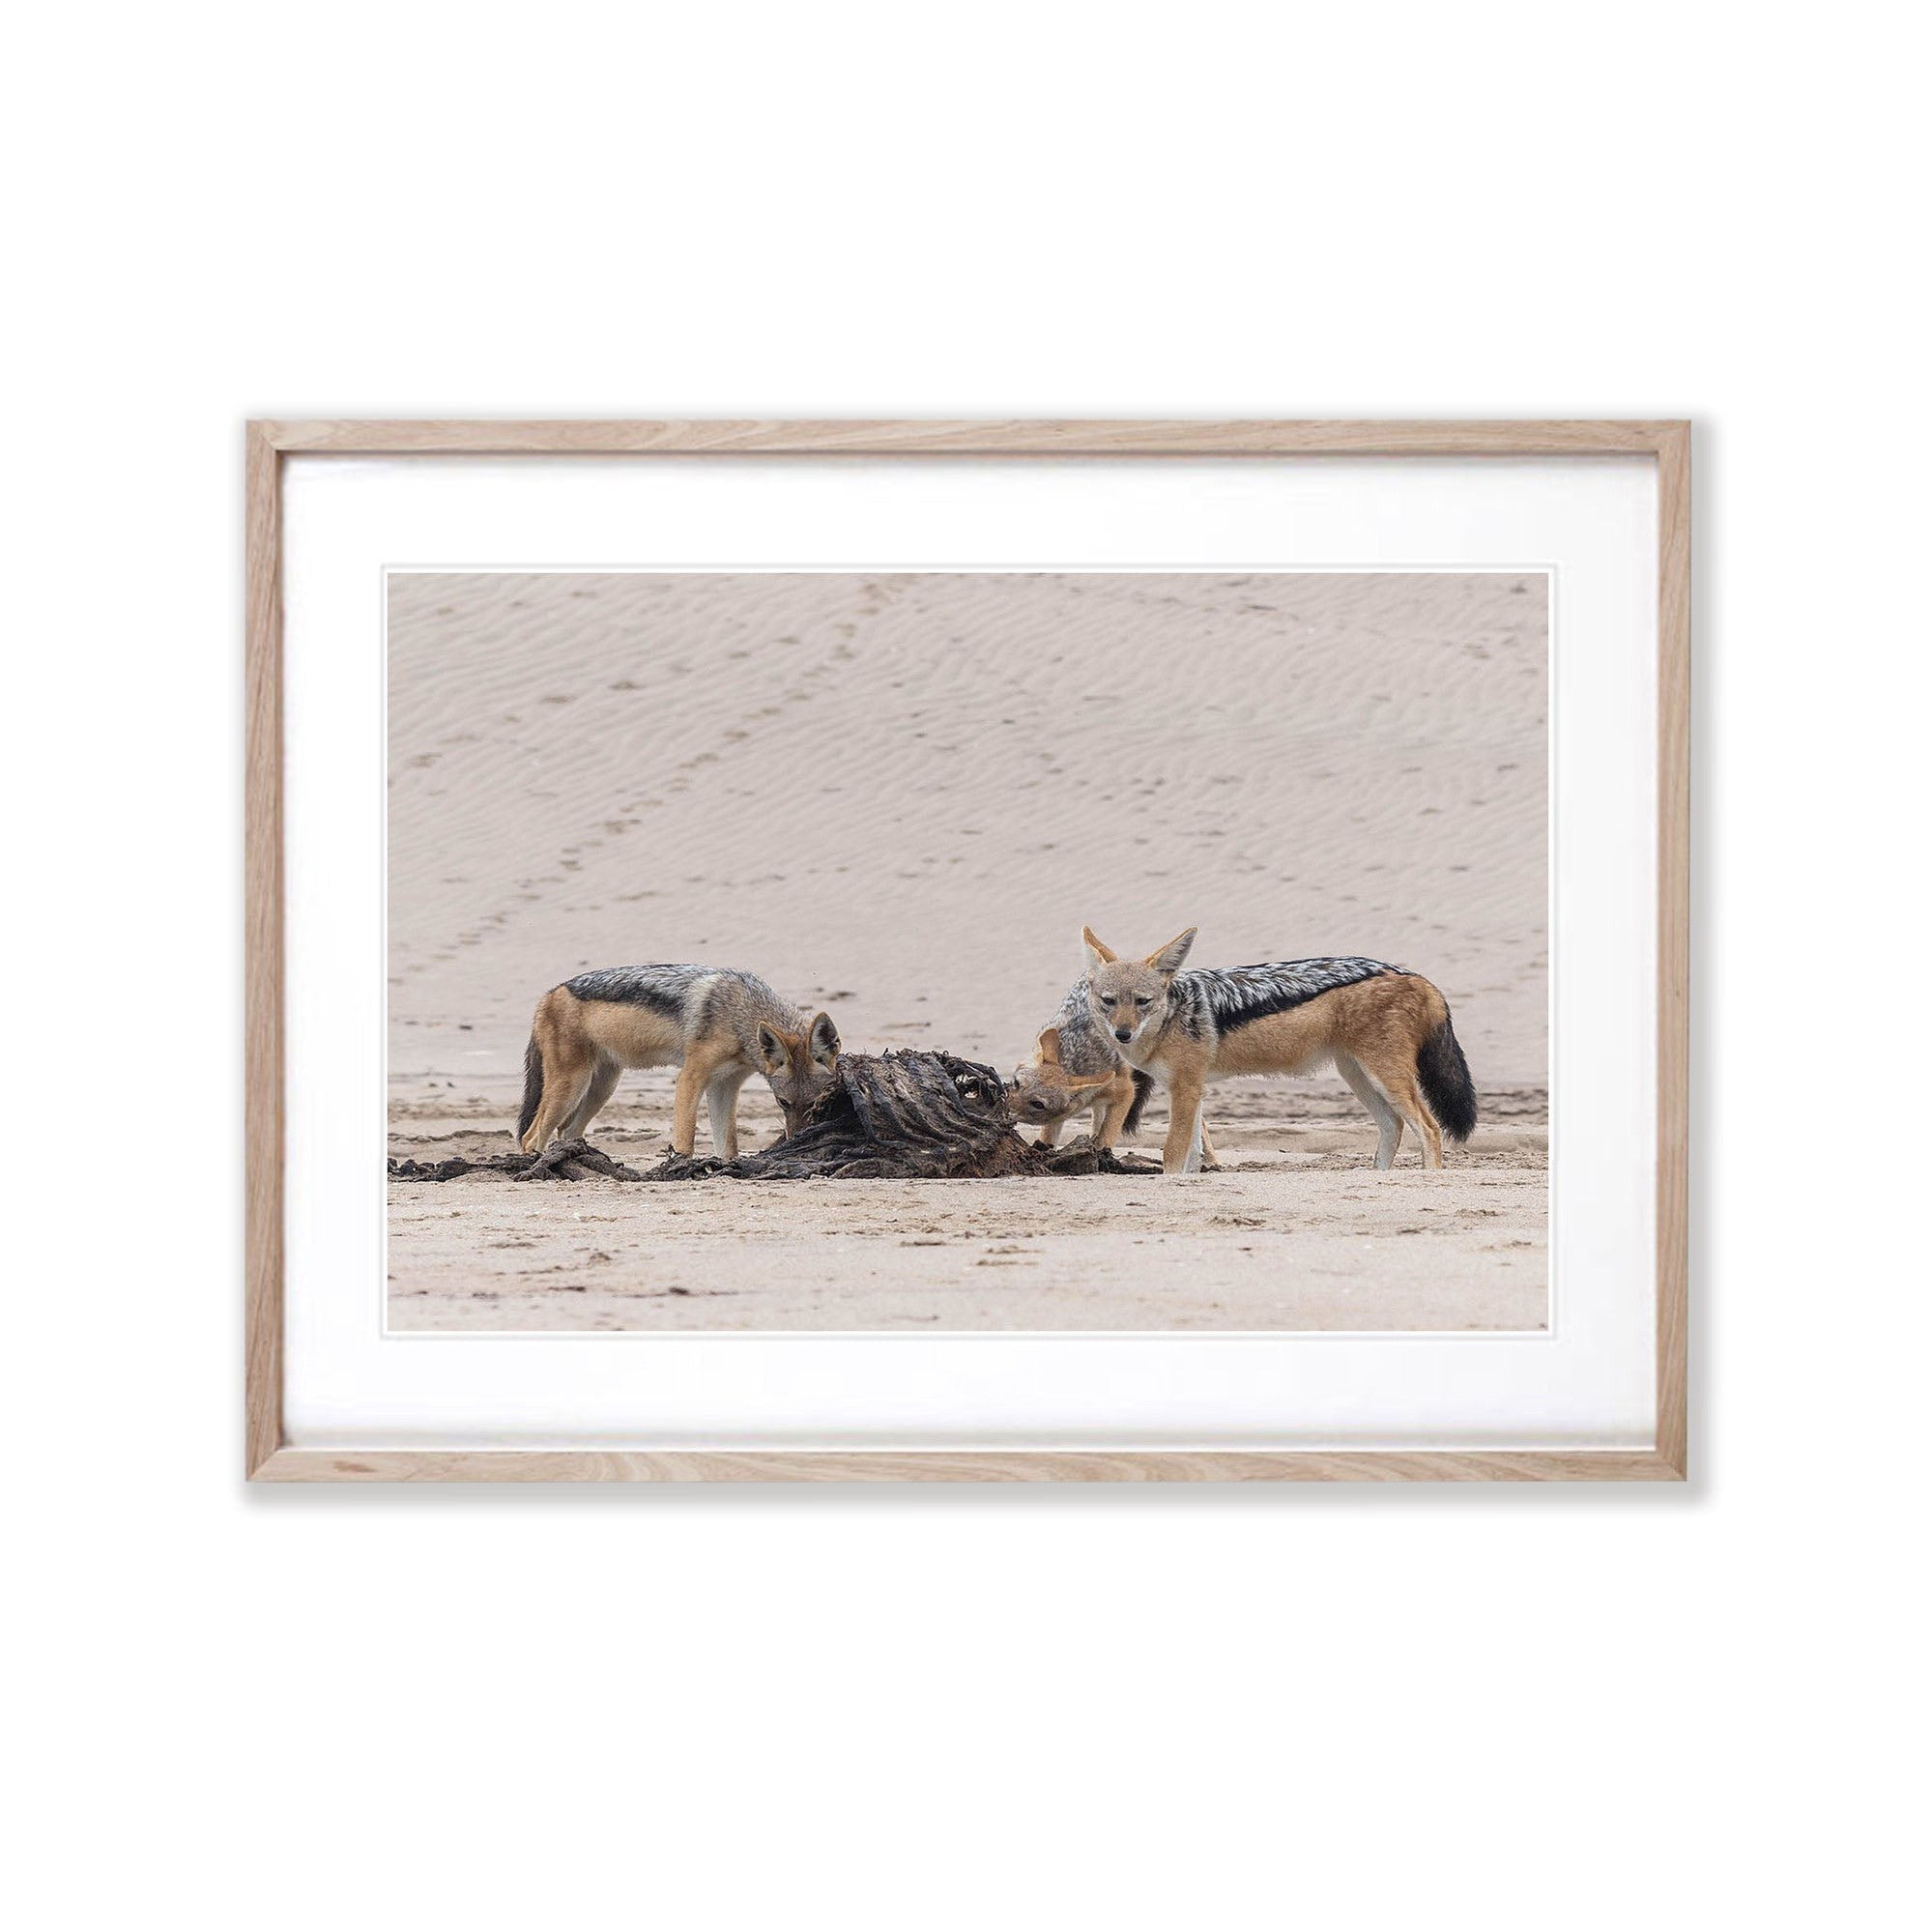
(1446, 1085)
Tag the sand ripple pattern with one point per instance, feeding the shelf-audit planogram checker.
(902, 795)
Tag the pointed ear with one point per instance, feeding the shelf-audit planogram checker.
(1049, 1044)
(825, 1038)
(1097, 955)
(1169, 958)
(771, 1050)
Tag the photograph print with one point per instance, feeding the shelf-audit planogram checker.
(970, 950)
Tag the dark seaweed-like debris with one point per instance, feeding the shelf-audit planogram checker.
(899, 1116)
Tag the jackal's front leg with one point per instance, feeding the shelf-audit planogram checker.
(693, 1077)
(721, 1098)
(1180, 1154)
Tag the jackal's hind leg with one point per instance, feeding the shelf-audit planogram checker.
(567, 1084)
(1388, 1122)
(597, 1097)
(1407, 1095)
(1210, 1161)
(1432, 1133)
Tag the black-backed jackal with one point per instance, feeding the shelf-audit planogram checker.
(718, 1027)
(1075, 1067)
(1386, 1031)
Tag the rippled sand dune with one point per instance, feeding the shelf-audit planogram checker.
(900, 797)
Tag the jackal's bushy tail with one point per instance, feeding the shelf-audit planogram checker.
(1444, 1074)
(1143, 1085)
(533, 1087)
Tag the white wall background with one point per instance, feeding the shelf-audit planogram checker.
(1507, 1709)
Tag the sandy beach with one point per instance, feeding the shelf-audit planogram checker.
(900, 797)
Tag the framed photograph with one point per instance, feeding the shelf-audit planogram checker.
(1019, 951)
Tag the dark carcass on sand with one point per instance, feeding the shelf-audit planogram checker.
(895, 1116)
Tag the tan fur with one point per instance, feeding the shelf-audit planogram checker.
(1046, 1095)
(1372, 1033)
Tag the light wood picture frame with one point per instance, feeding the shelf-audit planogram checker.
(270, 1457)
